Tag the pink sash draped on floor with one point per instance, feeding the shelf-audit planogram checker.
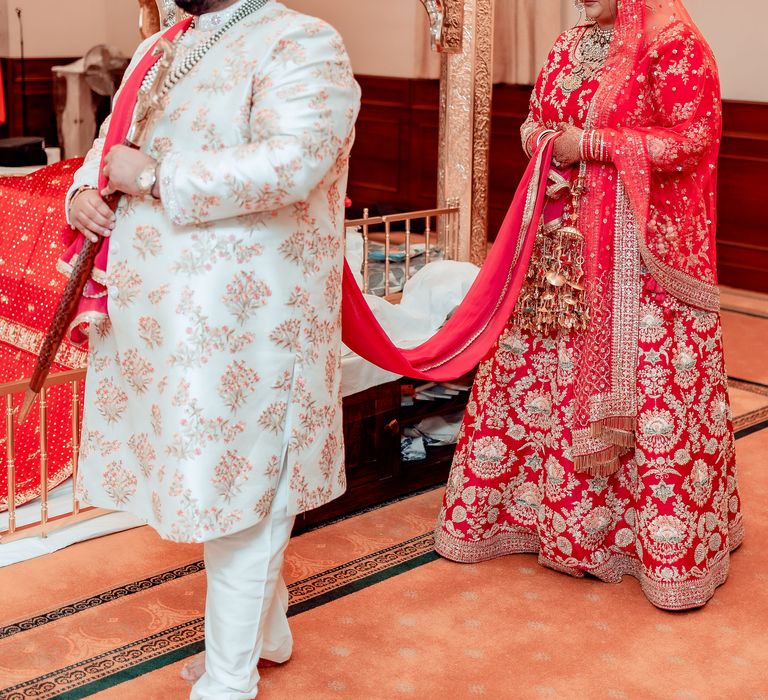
(464, 341)
(457, 347)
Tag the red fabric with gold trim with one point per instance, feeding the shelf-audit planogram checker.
(30, 288)
(656, 106)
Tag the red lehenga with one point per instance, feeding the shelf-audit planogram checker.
(610, 450)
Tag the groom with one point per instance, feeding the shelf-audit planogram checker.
(213, 406)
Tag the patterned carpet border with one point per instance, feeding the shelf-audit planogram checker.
(753, 421)
(94, 601)
(90, 676)
(744, 312)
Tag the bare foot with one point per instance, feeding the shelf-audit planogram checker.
(195, 667)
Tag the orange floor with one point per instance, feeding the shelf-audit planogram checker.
(377, 615)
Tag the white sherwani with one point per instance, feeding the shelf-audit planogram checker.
(221, 361)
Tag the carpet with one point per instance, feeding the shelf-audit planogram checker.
(377, 614)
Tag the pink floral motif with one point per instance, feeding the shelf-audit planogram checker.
(286, 335)
(203, 340)
(206, 249)
(273, 417)
(157, 507)
(245, 295)
(264, 504)
(150, 332)
(230, 474)
(237, 384)
(332, 294)
(146, 456)
(119, 483)
(126, 281)
(332, 454)
(95, 442)
(264, 125)
(156, 420)
(111, 400)
(146, 241)
(137, 371)
(202, 205)
(332, 370)
(289, 51)
(273, 467)
(157, 295)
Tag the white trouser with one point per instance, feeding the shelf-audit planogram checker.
(246, 605)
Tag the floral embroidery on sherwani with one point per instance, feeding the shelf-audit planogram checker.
(220, 364)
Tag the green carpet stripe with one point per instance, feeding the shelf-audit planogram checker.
(751, 429)
(361, 584)
(132, 673)
(184, 652)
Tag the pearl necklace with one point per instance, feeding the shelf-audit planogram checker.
(193, 57)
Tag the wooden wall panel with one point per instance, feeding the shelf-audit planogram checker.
(394, 160)
(41, 117)
(742, 246)
(399, 122)
(508, 161)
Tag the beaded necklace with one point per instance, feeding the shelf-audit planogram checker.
(195, 56)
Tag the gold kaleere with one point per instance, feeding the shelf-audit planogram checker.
(553, 295)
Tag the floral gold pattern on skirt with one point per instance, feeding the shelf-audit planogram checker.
(670, 516)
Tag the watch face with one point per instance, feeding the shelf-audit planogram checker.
(146, 179)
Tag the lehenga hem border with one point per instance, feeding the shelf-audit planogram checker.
(674, 595)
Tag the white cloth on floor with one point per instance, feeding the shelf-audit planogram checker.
(247, 604)
(441, 430)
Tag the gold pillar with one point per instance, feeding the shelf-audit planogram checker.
(466, 85)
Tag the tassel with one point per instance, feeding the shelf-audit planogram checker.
(625, 424)
(603, 463)
(623, 438)
(619, 432)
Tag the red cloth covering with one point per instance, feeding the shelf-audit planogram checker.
(30, 287)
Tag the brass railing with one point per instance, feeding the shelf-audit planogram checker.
(440, 228)
(47, 523)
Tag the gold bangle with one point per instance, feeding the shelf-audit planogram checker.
(79, 191)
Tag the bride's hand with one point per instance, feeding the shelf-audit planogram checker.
(566, 151)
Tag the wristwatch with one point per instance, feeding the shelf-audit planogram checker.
(146, 179)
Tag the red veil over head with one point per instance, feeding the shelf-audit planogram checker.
(658, 108)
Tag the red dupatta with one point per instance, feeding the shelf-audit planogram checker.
(652, 202)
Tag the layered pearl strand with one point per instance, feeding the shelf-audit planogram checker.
(193, 57)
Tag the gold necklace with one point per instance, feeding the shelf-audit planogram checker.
(589, 57)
